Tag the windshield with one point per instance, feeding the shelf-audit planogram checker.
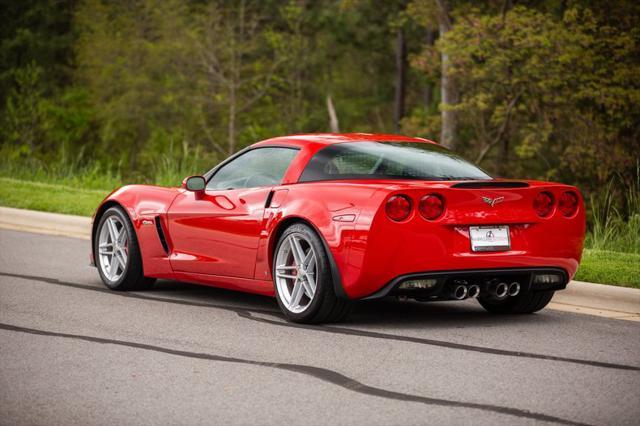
(389, 160)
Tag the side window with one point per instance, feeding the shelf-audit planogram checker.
(255, 168)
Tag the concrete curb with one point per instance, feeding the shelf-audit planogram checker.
(45, 223)
(599, 299)
(579, 297)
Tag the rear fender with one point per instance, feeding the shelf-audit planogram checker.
(332, 211)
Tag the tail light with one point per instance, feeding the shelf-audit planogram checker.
(543, 204)
(431, 206)
(398, 207)
(568, 203)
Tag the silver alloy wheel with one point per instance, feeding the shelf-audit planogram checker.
(296, 267)
(113, 248)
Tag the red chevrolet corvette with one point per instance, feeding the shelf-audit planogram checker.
(322, 220)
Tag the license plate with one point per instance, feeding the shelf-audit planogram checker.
(489, 238)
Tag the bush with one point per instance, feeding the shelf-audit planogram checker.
(615, 218)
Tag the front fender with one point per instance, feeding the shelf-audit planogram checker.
(144, 204)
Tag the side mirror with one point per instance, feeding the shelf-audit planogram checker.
(194, 183)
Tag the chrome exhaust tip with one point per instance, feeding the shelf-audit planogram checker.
(460, 292)
(514, 289)
(501, 291)
(473, 291)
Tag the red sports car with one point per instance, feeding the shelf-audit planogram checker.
(323, 220)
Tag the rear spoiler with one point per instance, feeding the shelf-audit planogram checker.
(490, 184)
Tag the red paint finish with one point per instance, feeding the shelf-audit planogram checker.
(383, 249)
(227, 238)
(144, 203)
(217, 233)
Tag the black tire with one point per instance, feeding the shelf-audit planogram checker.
(133, 277)
(526, 302)
(325, 307)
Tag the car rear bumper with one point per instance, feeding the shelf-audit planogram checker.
(526, 277)
(389, 250)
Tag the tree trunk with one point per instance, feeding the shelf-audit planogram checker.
(333, 117)
(427, 90)
(232, 121)
(448, 87)
(401, 71)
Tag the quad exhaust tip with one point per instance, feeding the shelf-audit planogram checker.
(502, 290)
(460, 292)
(473, 291)
(514, 289)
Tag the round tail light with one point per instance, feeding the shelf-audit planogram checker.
(398, 207)
(568, 203)
(431, 206)
(543, 204)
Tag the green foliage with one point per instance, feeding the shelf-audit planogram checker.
(546, 96)
(548, 90)
(50, 197)
(611, 228)
(35, 32)
(64, 170)
(23, 120)
(128, 57)
(609, 267)
(178, 162)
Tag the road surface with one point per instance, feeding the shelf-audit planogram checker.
(72, 352)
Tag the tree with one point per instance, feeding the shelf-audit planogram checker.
(238, 59)
(24, 118)
(36, 32)
(448, 85)
(129, 56)
(429, 14)
(557, 93)
(400, 81)
(537, 89)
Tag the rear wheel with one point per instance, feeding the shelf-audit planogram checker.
(526, 302)
(302, 278)
(118, 254)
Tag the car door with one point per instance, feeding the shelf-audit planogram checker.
(217, 232)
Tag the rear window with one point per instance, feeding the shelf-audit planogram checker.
(389, 160)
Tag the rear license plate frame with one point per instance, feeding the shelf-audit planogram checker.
(490, 238)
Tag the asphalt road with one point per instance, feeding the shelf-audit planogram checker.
(72, 352)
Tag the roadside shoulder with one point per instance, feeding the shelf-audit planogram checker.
(45, 223)
(599, 299)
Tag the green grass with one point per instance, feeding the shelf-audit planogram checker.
(49, 197)
(610, 267)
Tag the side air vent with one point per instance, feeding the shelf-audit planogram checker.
(490, 184)
(163, 240)
(267, 203)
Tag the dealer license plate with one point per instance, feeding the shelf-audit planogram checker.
(489, 238)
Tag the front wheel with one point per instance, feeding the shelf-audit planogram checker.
(117, 253)
(526, 302)
(302, 278)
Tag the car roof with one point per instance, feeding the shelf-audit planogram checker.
(311, 143)
(333, 138)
